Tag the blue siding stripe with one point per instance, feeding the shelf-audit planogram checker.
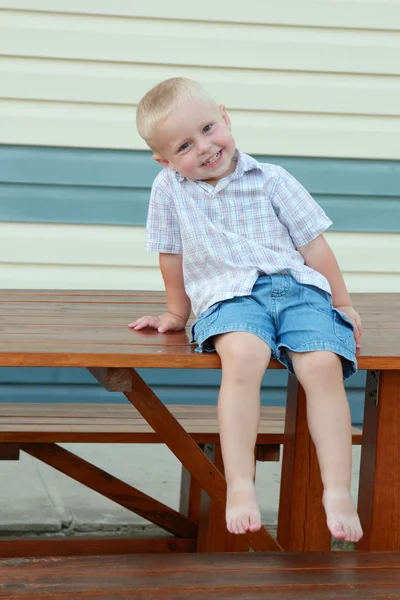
(112, 187)
(73, 204)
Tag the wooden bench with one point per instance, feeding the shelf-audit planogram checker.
(37, 428)
(272, 576)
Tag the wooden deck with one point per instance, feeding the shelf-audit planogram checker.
(335, 576)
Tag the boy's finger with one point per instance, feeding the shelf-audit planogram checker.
(139, 320)
(357, 335)
(140, 326)
(144, 322)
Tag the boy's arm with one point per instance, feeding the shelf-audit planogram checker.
(319, 256)
(178, 302)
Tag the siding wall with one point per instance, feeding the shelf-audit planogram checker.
(321, 81)
(313, 86)
(75, 217)
(317, 79)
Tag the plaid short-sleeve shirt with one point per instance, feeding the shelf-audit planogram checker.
(251, 222)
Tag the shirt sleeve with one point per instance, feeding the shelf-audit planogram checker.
(162, 227)
(298, 211)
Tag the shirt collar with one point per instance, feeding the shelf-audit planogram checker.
(245, 163)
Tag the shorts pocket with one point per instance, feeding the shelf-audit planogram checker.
(205, 320)
(344, 328)
(316, 299)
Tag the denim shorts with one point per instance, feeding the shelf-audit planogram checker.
(287, 315)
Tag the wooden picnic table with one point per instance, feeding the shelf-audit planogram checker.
(89, 329)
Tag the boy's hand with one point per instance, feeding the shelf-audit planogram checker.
(163, 323)
(355, 319)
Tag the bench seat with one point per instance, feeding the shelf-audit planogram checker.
(38, 429)
(121, 423)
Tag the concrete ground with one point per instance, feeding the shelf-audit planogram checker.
(36, 499)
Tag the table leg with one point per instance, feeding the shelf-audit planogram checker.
(213, 535)
(302, 521)
(379, 488)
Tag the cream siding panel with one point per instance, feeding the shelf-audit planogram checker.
(193, 43)
(361, 14)
(63, 124)
(79, 257)
(125, 84)
(307, 90)
(26, 276)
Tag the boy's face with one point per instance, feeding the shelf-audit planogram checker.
(195, 139)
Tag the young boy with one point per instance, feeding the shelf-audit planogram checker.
(241, 244)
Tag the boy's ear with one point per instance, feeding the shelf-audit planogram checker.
(225, 115)
(162, 161)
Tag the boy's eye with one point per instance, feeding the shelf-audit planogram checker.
(207, 128)
(184, 146)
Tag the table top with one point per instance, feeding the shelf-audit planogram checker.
(79, 328)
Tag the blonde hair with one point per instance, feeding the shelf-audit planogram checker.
(164, 98)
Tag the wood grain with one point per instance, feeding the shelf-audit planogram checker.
(213, 535)
(53, 546)
(189, 454)
(301, 520)
(119, 423)
(114, 380)
(90, 329)
(379, 488)
(335, 576)
(9, 451)
(110, 487)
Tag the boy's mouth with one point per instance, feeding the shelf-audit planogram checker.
(213, 159)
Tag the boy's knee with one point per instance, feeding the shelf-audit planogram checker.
(236, 353)
(242, 355)
(316, 365)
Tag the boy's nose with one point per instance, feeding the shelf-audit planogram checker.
(204, 146)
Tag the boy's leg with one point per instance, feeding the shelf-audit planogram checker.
(328, 414)
(244, 359)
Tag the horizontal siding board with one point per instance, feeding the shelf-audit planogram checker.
(114, 257)
(68, 246)
(72, 204)
(50, 35)
(367, 14)
(118, 206)
(315, 82)
(362, 213)
(26, 275)
(53, 165)
(292, 133)
(52, 80)
(51, 185)
(110, 257)
(75, 245)
(70, 166)
(79, 276)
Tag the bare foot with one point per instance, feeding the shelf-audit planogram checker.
(342, 518)
(242, 512)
